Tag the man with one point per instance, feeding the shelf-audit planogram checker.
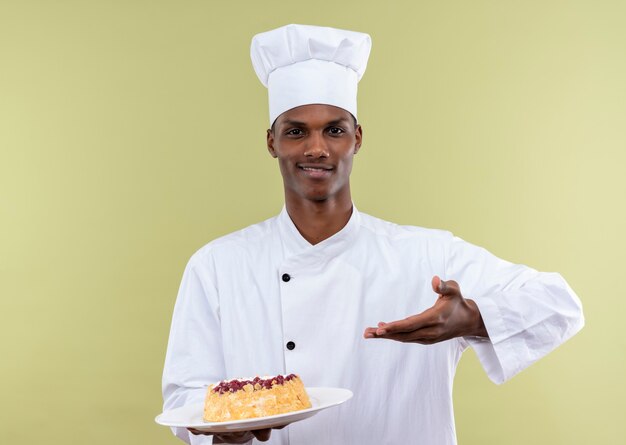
(312, 290)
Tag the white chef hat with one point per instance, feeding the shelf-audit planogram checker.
(303, 64)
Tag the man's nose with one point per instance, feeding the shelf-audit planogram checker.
(316, 146)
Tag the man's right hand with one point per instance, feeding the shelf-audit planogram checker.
(239, 437)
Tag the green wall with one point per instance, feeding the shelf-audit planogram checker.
(132, 133)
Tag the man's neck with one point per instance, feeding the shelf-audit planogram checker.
(317, 221)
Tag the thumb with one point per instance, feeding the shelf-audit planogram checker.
(442, 287)
(436, 283)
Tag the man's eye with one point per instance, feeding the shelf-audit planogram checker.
(335, 130)
(294, 132)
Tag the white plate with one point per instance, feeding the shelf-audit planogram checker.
(190, 416)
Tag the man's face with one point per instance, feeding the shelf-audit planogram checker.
(314, 145)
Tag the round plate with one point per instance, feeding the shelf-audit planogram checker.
(190, 416)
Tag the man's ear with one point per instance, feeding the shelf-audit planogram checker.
(270, 143)
(358, 135)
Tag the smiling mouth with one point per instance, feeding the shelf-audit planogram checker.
(316, 171)
(315, 168)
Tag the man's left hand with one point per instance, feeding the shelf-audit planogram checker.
(451, 316)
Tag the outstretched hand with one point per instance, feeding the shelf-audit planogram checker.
(451, 316)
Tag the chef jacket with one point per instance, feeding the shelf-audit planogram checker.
(264, 301)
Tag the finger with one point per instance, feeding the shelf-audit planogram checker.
(370, 333)
(193, 431)
(262, 435)
(425, 336)
(412, 323)
(196, 432)
(239, 437)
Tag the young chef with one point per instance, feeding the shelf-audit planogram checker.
(314, 290)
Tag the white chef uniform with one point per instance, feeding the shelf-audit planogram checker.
(245, 296)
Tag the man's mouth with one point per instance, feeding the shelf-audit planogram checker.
(314, 167)
(316, 171)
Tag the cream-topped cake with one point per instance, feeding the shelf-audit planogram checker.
(259, 397)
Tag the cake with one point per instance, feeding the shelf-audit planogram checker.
(259, 397)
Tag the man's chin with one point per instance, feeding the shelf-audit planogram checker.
(316, 195)
(318, 198)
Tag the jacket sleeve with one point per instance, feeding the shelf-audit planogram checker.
(194, 357)
(527, 313)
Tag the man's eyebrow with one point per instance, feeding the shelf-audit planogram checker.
(293, 123)
(342, 120)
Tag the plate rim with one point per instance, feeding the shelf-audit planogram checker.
(347, 395)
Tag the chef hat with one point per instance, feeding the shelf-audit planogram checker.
(302, 64)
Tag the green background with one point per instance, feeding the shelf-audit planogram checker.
(132, 133)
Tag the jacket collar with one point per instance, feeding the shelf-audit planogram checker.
(298, 249)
